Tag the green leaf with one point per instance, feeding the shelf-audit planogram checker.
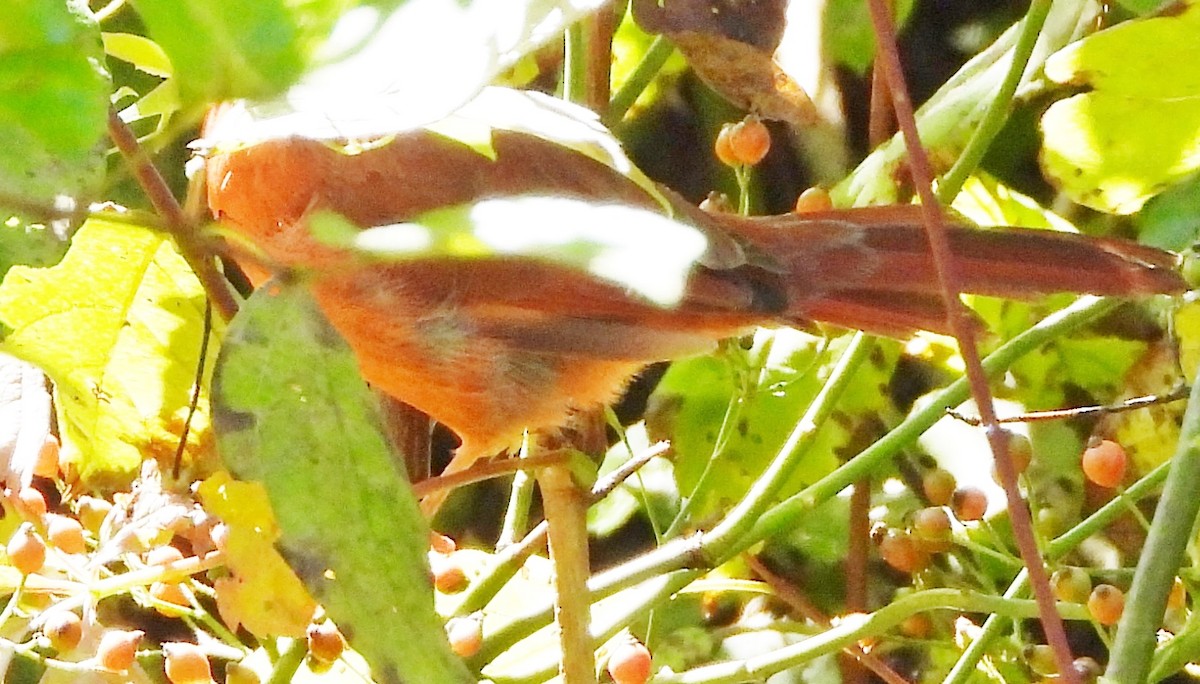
(651, 254)
(118, 326)
(692, 399)
(1138, 129)
(139, 51)
(451, 49)
(221, 50)
(53, 102)
(292, 412)
(847, 33)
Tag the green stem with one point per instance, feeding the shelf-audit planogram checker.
(1058, 548)
(783, 517)
(289, 662)
(575, 64)
(697, 551)
(520, 498)
(1130, 658)
(997, 112)
(656, 56)
(723, 540)
(850, 631)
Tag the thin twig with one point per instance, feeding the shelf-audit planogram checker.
(790, 594)
(960, 325)
(178, 225)
(1178, 394)
(486, 471)
(199, 382)
(512, 556)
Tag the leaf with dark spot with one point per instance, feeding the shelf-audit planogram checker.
(350, 526)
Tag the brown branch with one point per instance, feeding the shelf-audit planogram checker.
(198, 257)
(961, 325)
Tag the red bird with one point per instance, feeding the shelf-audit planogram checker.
(491, 346)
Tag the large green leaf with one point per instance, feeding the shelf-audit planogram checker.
(292, 413)
(53, 102)
(222, 49)
(1137, 130)
(118, 326)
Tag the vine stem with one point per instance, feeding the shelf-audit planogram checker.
(960, 325)
(1130, 656)
(1061, 546)
(177, 222)
(693, 551)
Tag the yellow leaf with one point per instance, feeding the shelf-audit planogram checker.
(262, 593)
(118, 326)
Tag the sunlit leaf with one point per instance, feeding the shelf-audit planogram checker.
(261, 592)
(292, 413)
(1137, 130)
(222, 50)
(650, 254)
(451, 49)
(139, 51)
(242, 124)
(53, 103)
(118, 326)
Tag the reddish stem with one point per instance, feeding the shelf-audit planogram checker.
(177, 222)
(960, 323)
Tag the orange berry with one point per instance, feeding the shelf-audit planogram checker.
(449, 576)
(938, 486)
(465, 635)
(968, 503)
(186, 664)
(898, 550)
(750, 140)
(92, 512)
(63, 629)
(813, 199)
(325, 642)
(723, 147)
(1104, 463)
(629, 663)
(26, 551)
(441, 543)
(172, 593)
(163, 555)
(117, 649)
(47, 461)
(917, 626)
(33, 501)
(65, 533)
(931, 529)
(744, 143)
(1106, 603)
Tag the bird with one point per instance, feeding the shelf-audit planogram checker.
(490, 347)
